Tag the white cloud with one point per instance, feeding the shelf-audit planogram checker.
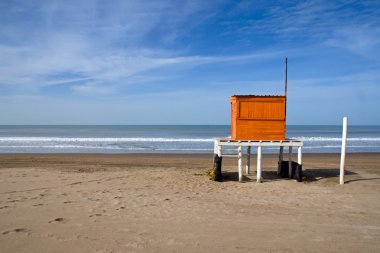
(348, 25)
(103, 42)
(360, 40)
(70, 59)
(92, 89)
(71, 43)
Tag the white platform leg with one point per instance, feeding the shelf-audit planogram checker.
(240, 163)
(259, 155)
(248, 165)
(300, 155)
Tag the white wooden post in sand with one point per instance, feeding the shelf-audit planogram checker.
(300, 155)
(343, 152)
(219, 150)
(290, 160)
(259, 155)
(240, 163)
(248, 165)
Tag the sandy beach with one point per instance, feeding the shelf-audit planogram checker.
(166, 203)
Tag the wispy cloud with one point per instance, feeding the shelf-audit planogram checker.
(74, 61)
(361, 40)
(349, 25)
(109, 44)
(92, 89)
(105, 43)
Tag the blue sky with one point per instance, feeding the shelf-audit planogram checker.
(177, 62)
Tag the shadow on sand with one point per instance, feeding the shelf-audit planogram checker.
(361, 179)
(312, 175)
(309, 175)
(234, 176)
(266, 175)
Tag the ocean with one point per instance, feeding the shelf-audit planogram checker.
(169, 139)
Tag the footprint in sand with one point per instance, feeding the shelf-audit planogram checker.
(95, 215)
(13, 201)
(16, 230)
(57, 220)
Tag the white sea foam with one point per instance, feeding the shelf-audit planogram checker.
(123, 139)
(74, 147)
(338, 146)
(165, 145)
(335, 139)
(166, 139)
(101, 147)
(61, 139)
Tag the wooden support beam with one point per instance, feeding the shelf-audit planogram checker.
(280, 159)
(216, 172)
(300, 155)
(290, 160)
(259, 155)
(248, 165)
(290, 143)
(240, 163)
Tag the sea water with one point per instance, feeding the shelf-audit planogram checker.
(169, 139)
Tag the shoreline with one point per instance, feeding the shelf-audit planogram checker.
(205, 161)
(148, 154)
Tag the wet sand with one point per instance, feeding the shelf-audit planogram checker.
(166, 203)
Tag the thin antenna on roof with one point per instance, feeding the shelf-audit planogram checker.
(286, 76)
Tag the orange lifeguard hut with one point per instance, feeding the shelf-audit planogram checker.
(259, 121)
(255, 117)
(258, 117)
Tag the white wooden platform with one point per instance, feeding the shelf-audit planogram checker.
(290, 143)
